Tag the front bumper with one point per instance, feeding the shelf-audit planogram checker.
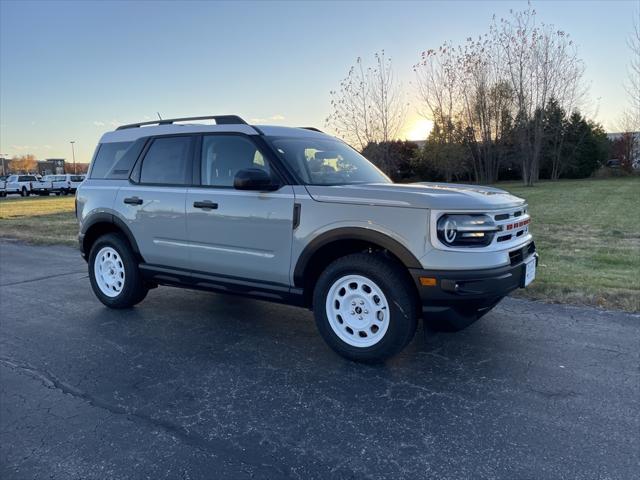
(470, 292)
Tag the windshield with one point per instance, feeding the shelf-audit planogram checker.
(326, 162)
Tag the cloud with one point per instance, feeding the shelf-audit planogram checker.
(98, 123)
(22, 148)
(276, 117)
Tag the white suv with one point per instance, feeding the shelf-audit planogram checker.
(294, 215)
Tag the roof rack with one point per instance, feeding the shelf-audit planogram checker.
(220, 120)
(312, 128)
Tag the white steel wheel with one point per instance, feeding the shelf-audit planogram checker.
(357, 310)
(109, 272)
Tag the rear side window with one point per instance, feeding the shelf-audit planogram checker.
(167, 161)
(76, 178)
(114, 160)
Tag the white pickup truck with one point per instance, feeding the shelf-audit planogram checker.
(18, 184)
(59, 184)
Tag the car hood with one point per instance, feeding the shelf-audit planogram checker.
(436, 196)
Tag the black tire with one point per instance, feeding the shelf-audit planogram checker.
(134, 289)
(24, 192)
(396, 286)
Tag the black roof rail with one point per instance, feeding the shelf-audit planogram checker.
(220, 120)
(312, 128)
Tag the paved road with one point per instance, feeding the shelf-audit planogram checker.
(195, 385)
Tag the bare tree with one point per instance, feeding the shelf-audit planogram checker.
(461, 90)
(631, 117)
(540, 63)
(438, 85)
(487, 104)
(369, 105)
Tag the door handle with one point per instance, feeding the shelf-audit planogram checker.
(206, 205)
(133, 201)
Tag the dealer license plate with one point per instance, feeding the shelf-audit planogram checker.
(530, 271)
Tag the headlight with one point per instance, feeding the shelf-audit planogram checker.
(466, 230)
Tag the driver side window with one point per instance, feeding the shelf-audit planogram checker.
(225, 155)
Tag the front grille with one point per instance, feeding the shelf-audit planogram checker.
(513, 224)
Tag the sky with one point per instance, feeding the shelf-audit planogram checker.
(73, 70)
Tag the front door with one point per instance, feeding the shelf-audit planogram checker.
(235, 233)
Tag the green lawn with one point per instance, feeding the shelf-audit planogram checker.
(40, 220)
(588, 236)
(587, 233)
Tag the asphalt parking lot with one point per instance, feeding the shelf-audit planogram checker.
(197, 385)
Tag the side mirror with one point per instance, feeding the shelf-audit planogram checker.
(254, 179)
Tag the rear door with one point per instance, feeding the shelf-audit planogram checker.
(237, 233)
(153, 203)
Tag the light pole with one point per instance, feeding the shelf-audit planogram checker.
(73, 153)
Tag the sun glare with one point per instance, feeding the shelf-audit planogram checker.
(419, 129)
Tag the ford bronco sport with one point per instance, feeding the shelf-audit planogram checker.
(296, 216)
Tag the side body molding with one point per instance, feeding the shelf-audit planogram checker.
(353, 233)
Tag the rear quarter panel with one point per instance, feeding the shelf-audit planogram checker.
(96, 196)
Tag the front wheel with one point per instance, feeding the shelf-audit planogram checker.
(365, 307)
(114, 273)
(24, 192)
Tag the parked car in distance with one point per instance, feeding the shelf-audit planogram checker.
(296, 216)
(43, 186)
(69, 183)
(20, 184)
(62, 184)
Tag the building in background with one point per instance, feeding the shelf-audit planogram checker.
(51, 166)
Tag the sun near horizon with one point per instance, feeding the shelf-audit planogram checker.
(418, 129)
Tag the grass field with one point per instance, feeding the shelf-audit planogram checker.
(587, 233)
(588, 236)
(39, 220)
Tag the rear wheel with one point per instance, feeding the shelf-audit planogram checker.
(114, 273)
(365, 307)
